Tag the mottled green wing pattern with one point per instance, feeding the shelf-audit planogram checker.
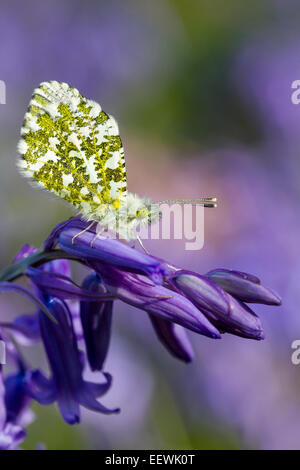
(72, 148)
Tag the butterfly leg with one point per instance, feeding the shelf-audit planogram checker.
(96, 236)
(141, 243)
(82, 231)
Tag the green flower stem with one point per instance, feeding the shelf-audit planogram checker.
(38, 258)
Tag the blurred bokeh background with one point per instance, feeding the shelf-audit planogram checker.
(202, 93)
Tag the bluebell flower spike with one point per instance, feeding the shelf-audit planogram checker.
(176, 300)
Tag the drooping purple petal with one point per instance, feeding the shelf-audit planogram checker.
(90, 391)
(99, 389)
(11, 436)
(112, 252)
(58, 266)
(63, 357)
(25, 251)
(226, 313)
(74, 308)
(96, 318)
(16, 397)
(75, 222)
(245, 323)
(174, 338)
(208, 295)
(40, 388)
(88, 400)
(243, 286)
(140, 292)
(61, 287)
(13, 402)
(65, 363)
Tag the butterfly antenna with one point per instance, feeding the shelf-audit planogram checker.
(203, 201)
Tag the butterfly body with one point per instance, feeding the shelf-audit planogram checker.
(72, 148)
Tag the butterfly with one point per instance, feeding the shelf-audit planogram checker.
(72, 148)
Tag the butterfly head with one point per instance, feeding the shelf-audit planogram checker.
(131, 212)
(136, 212)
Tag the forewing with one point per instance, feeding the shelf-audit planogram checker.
(71, 147)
